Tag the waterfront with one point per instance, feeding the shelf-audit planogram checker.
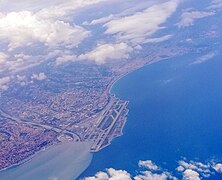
(65, 161)
(175, 111)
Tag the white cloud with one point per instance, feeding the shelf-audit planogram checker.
(198, 166)
(180, 168)
(3, 56)
(157, 40)
(202, 169)
(191, 175)
(24, 28)
(100, 20)
(148, 164)
(4, 83)
(31, 5)
(39, 77)
(216, 4)
(46, 26)
(3, 59)
(22, 80)
(189, 40)
(17, 62)
(188, 18)
(189, 171)
(99, 176)
(187, 165)
(66, 8)
(111, 174)
(148, 175)
(132, 7)
(205, 58)
(56, 8)
(218, 168)
(65, 58)
(105, 52)
(138, 27)
(118, 174)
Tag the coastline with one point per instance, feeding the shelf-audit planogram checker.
(139, 65)
(111, 94)
(30, 157)
(154, 77)
(109, 89)
(57, 161)
(119, 77)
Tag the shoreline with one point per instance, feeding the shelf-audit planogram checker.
(64, 157)
(109, 89)
(35, 154)
(114, 81)
(119, 77)
(164, 72)
(29, 158)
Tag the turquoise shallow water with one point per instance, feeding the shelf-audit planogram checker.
(62, 162)
(175, 112)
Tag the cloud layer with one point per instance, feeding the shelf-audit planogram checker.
(24, 28)
(107, 51)
(188, 170)
(188, 18)
(205, 58)
(141, 25)
(4, 83)
(48, 28)
(32, 32)
(39, 77)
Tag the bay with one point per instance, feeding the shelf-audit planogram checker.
(175, 112)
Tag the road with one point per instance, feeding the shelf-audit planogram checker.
(56, 129)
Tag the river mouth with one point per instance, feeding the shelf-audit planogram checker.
(65, 161)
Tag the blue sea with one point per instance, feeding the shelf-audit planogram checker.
(175, 113)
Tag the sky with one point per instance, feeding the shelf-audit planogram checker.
(32, 32)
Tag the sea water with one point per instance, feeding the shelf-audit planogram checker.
(61, 162)
(175, 112)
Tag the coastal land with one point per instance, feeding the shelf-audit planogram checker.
(64, 161)
(74, 104)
